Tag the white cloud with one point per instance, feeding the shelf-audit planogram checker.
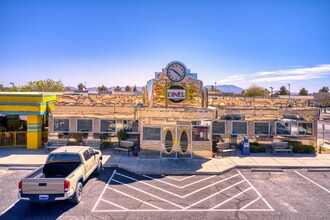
(234, 78)
(320, 71)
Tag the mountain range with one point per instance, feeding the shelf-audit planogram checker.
(222, 88)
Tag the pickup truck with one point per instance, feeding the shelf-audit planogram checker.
(62, 176)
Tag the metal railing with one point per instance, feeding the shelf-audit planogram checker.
(17, 138)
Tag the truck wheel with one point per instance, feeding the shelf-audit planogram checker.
(77, 195)
(98, 170)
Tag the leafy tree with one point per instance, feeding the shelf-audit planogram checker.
(1, 87)
(81, 86)
(212, 88)
(128, 88)
(102, 88)
(47, 85)
(303, 91)
(14, 89)
(324, 89)
(255, 90)
(134, 88)
(283, 91)
(67, 88)
(118, 88)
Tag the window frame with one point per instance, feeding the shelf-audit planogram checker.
(160, 131)
(254, 128)
(290, 122)
(92, 131)
(305, 123)
(131, 132)
(108, 132)
(208, 127)
(218, 121)
(60, 119)
(239, 121)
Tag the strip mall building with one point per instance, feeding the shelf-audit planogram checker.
(174, 117)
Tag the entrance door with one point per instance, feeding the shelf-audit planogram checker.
(168, 147)
(176, 142)
(184, 144)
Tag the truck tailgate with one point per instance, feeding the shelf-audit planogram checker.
(43, 186)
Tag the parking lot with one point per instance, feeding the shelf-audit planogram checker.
(237, 194)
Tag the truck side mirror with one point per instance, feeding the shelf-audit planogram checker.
(96, 152)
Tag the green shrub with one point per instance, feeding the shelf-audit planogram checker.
(304, 149)
(78, 137)
(298, 147)
(255, 148)
(121, 135)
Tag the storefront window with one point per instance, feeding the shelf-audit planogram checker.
(305, 128)
(200, 133)
(239, 127)
(184, 142)
(108, 126)
(130, 125)
(84, 125)
(61, 125)
(168, 141)
(151, 134)
(261, 128)
(283, 128)
(219, 127)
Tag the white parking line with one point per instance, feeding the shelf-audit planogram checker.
(105, 188)
(132, 197)
(9, 207)
(214, 194)
(114, 204)
(263, 199)
(227, 200)
(157, 197)
(179, 187)
(178, 179)
(189, 194)
(180, 208)
(313, 182)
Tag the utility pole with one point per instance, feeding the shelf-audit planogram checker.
(271, 92)
(289, 91)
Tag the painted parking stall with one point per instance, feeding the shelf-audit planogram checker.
(157, 193)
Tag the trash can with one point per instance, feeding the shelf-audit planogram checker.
(245, 146)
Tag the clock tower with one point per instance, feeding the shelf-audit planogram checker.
(175, 86)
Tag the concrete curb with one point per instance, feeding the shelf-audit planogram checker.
(22, 168)
(318, 170)
(175, 172)
(266, 170)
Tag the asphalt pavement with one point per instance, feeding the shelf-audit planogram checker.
(237, 194)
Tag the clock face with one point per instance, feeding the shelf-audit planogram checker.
(176, 72)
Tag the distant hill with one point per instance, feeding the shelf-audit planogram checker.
(227, 88)
(112, 88)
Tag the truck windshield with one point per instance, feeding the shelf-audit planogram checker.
(72, 158)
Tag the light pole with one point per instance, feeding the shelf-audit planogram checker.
(271, 91)
(215, 86)
(289, 91)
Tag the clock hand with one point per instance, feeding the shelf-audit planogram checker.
(176, 72)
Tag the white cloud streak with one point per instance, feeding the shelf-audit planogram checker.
(320, 71)
(232, 79)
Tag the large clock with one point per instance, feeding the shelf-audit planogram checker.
(176, 72)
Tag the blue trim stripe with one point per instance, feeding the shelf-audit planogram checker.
(24, 103)
(21, 113)
(34, 127)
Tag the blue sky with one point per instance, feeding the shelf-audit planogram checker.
(124, 42)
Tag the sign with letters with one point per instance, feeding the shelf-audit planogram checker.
(176, 94)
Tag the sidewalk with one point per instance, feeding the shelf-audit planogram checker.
(23, 157)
